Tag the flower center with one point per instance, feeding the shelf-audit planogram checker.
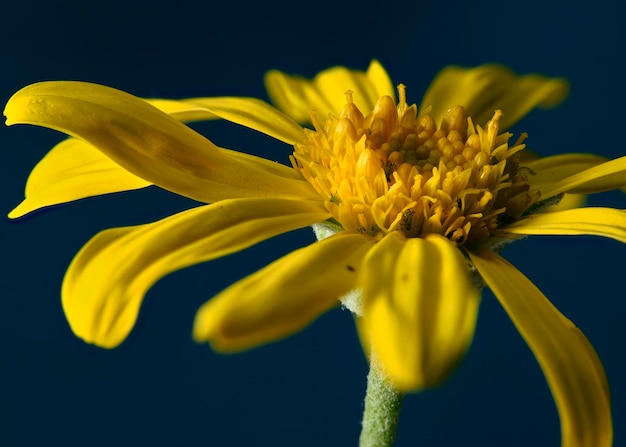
(395, 170)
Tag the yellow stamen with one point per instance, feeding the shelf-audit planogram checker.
(349, 96)
(393, 170)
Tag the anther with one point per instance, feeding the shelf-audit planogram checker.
(401, 95)
(348, 94)
(521, 139)
(492, 129)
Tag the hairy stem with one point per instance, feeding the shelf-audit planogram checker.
(382, 409)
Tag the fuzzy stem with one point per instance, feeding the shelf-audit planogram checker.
(382, 409)
(382, 401)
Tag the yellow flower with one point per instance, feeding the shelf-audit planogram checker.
(420, 203)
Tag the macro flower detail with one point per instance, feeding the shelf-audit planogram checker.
(419, 200)
(394, 172)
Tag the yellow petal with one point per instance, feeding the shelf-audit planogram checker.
(606, 222)
(568, 201)
(186, 111)
(571, 366)
(333, 84)
(294, 96)
(147, 142)
(598, 178)
(181, 110)
(490, 87)
(420, 308)
(252, 162)
(283, 297)
(73, 170)
(255, 114)
(107, 280)
(297, 96)
(380, 80)
(547, 170)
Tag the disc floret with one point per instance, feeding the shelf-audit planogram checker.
(396, 170)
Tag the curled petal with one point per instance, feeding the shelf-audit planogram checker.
(490, 87)
(420, 308)
(107, 280)
(571, 366)
(73, 170)
(297, 96)
(606, 222)
(147, 142)
(283, 297)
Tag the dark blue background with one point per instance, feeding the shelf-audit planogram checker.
(161, 389)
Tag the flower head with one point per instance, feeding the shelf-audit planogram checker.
(394, 171)
(419, 202)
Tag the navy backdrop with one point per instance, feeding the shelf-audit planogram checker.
(160, 388)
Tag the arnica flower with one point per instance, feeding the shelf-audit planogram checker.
(418, 203)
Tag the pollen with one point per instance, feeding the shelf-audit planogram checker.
(399, 170)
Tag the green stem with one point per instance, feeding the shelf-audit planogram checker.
(382, 401)
(382, 409)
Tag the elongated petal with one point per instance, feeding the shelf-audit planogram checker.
(107, 280)
(420, 308)
(490, 87)
(297, 96)
(146, 142)
(571, 366)
(546, 170)
(73, 170)
(606, 222)
(601, 177)
(255, 114)
(568, 201)
(284, 297)
(182, 110)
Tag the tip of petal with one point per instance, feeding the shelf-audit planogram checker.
(18, 211)
(206, 329)
(27, 206)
